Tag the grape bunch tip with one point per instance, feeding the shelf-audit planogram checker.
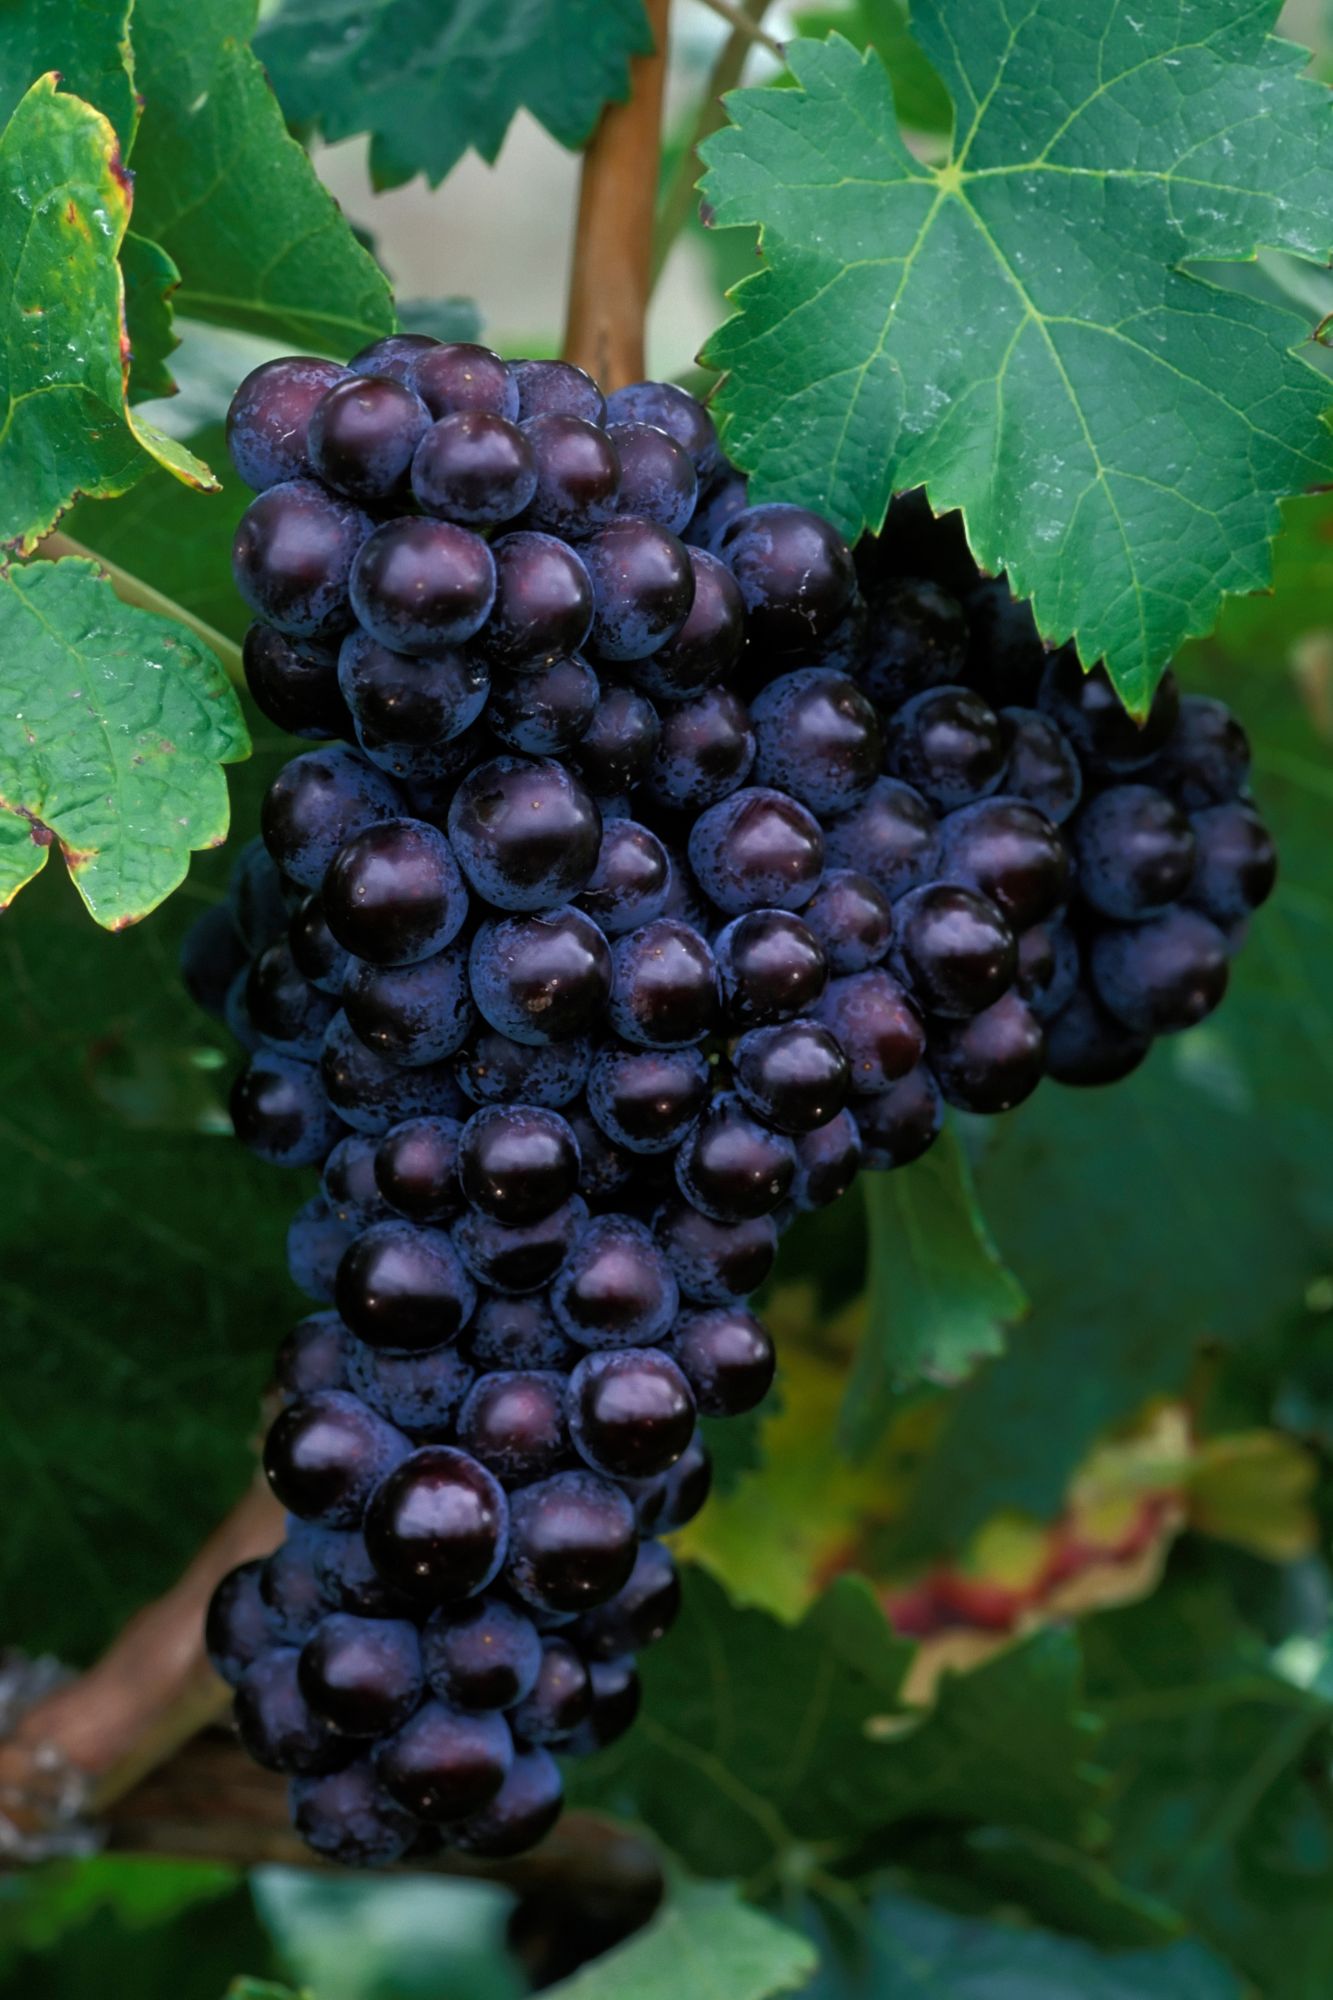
(657, 863)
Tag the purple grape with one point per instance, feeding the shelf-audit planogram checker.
(517, 1162)
(420, 1394)
(517, 1333)
(418, 585)
(269, 419)
(632, 880)
(817, 737)
(1011, 852)
(1205, 760)
(412, 1015)
(522, 1812)
(518, 1259)
(279, 1111)
(456, 375)
(315, 950)
(409, 698)
(915, 640)
(1043, 766)
(363, 433)
(732, 1167)
(646, 1099)
(705, 751)
(294, 683)
(396, 356)
(541, 978)
(642, 586)
(852, 918)
(404, 1286)
(394, 895)
(1086, 1046)
(954, 948)
(615, 1289)
(438, 1525)
(285, 1010)
(543, 600)
(795, 574)
(545, 708)
(557, 388)
(793, 1076)
(1162, 976)
(316, 804)
(892, 836)
(827, 1162)
(481, 1655)
(316, 1240)
(362, 1676)
(757, 849)
(578, 474)
(631, 1412)
(513, 1422)
(707, 644)
(674, 411)
(526, 833)
(727, 1357)
(1090, 712)
(572, 1542)
(349, 1818)
(474, 467)
(948, 744)
(715, 1263)
(1135, 851)
(771, 967)
(616, 750)
(325, 1455)
(1236, 865)
(901, 1123)
(236, 1629)
(312, 1357)
(276, 1724)
(416, 1169)
(492, 1069)
(657, 477)
(293, 556)
(371, 1093)
(663, 992)
(992, 1061)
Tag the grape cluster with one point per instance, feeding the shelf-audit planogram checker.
(656, 864)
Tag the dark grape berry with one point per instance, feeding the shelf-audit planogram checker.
(416, 1169)
(632, 880)
(1048, 968)
(520, 1259)
(279, 1111)
(457, 375)
(646, 1099)
(642, 1611)
(294, 683)
(409, 698)
(818, 738)
(1086, 1046)
(362, 1676)
(1092, 715)
(403, 1286)
(316, 1240)
(1135, 851)
(541, 978)
(955, 949)
(674, 411)
(349, 1818)
(852, 918)
(616, 1698)
(705, 750)
(284, 1008)
(292, 558)
(268, 422)
(616, 1288)
(1005, 654)
(316, 952)
(901, 1123)
(992, 1061)
(1236, 863)
(892, 836)
(276, 1724)
(437, 1526)
(1162, 976)
(543, 600)
(522, 1812)
(526, 833)
(1042, 765)
(948, 745)
(642, 586)
(871, 1018)
(715, 1263)
(518, 1163)
(290, 1588)
(371, 1093)
(236, 1630)
(916, 640)
(658, 482)
(560, 1699)
(481, 1655)
(475, 467)
(732, 1167)
(513, 1422)
(572, 1542)
(315, 806)
(396, 356)
(419, 1393)
(213, 958)
(312, 1357)
(557, 388)
(1012, 853)
(362, 435)
(827, 1162)
(721, 499)
(394, 895)
(578, 474)
(418, 585)
(795, 574)
(444, 1764)
(616, 750)
(495, 1070)
(517, 1333)
(413, 1015)
(631, 1412)
(794, 1076)
(757, 849)
(727, 1358)
(546, 707)
(1205, 760)
(325, 1455)
(771, 967)
(707, 644)
(663, 985)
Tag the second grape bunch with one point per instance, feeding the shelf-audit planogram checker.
(661, 864)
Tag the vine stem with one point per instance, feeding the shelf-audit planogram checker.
(747, 18)
(612, 275)
(743, 21)
(131, 589)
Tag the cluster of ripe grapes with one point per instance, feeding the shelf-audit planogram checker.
(660, 865)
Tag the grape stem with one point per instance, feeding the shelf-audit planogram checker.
(612, 273)
(680, 197)
(132, 589)
(747, 23)
(150, 1692)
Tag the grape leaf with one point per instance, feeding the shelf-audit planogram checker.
(1014, 329)
(86, 41)
(117, 722)
(404, 1935)
(903, 1949)
(757, 1739)
(64, 205)
(428, 82)
(234, 200)
(921, 101)
(940, 1294)
(150, 279)
(143, 1286)
(704, 1940)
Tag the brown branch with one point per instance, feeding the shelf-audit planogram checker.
(612, 275)
(150, 1691)
(726, 74)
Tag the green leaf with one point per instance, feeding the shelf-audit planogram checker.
(246, 1988)
(1014, 329)
(704, 1941)
(64, 205)
(940, 1294)
(442, 319)
(921, 101)
(150, 279)
(116, 724)
(906, 1950)
(88, 44)
(232, 198)
(428, 82)
(758, 1740)
(142, 1280)
(400, 1936)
